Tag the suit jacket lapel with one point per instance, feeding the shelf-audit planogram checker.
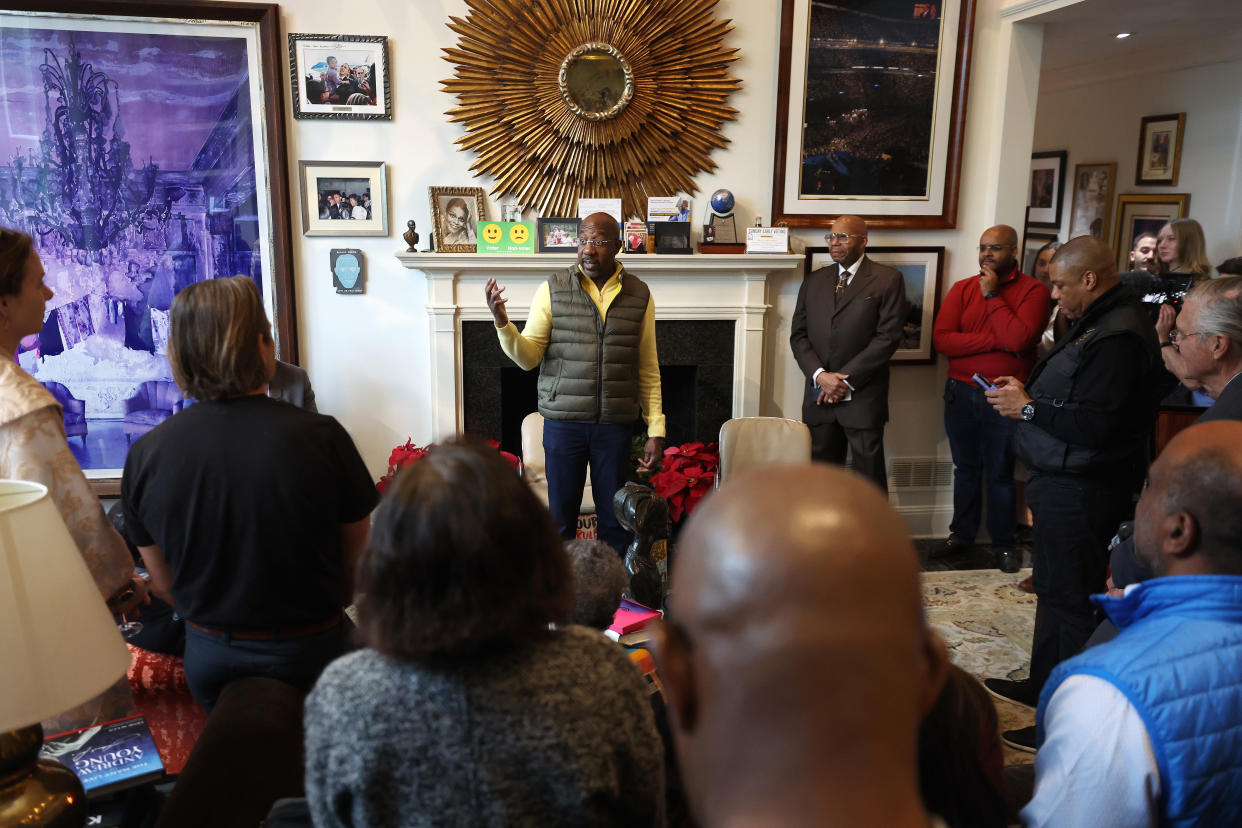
(852, 289)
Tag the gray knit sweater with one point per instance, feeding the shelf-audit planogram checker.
(557, 733)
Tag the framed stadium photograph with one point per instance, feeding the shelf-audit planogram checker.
(166, 167)
(870, 111)
(923, 271)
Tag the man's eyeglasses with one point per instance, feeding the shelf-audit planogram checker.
(596, 243)
(995, 248)
(842, 236)
(1175, 334)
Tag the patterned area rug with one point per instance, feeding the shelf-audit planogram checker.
(986, 623)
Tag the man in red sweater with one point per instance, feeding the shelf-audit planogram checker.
(989, 325)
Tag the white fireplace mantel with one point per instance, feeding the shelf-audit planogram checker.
(731, 287)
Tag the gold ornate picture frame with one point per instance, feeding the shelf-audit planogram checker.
(456, 212)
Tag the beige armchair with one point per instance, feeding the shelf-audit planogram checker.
(750, 442)
(533, 464)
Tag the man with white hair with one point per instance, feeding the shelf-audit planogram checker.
(1202, 345)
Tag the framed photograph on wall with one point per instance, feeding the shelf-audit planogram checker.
(188, 181)
(923, 270)
(343, 198)
(1093, 200)
(340, 76)
(1047, 188)
(867, 126)
(1160, 149)
(558, 235)
(1144, 213)
(1031, 245)
(456, 212)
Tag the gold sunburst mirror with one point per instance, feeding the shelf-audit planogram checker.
(569, 99)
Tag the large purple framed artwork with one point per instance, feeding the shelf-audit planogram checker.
(143, 148)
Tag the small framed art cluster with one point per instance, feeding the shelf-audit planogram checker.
(341, 77)
(1093, 186)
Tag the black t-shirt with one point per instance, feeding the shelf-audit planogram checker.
(246, 497)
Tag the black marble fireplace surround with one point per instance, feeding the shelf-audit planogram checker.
(696, 376)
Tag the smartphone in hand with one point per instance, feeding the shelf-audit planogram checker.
(983, 383)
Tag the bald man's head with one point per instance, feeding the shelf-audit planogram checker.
(1188, 519)
(796, 635)
(1082, 271)
(847, 240)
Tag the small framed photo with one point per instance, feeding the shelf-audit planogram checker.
(922, 269)
(456, 212)
(558, 235)
(1093, 200)
(1144, 213)
(340, 76)
(344, 198)
(1047, 188)
(1160, 149)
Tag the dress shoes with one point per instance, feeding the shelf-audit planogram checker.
(948, 546)
(1008, 560)
(1019, 692)
(1022, 739)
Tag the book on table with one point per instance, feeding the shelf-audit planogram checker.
(109, 757)
(632, 622)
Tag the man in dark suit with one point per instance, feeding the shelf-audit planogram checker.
(291, 384)
(846, 326)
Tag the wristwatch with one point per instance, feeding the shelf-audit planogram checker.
(1028, 411)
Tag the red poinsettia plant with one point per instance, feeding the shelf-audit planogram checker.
(406, 453)
(686, 475)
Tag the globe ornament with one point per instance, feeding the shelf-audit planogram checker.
(722, 202)
(569, 99)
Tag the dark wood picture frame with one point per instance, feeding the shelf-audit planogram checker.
(1148, 152)
(899, 257)
(1047, 215)
(381, 110)
(953, 146)
(265, 18)
(1145, 212)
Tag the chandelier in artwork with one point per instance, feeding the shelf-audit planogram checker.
(569, 99)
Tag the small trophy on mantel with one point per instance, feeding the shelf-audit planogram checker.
(411, 237)
(720, 231)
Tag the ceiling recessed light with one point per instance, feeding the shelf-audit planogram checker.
(1122, 35)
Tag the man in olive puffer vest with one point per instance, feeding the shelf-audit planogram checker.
(591, 331)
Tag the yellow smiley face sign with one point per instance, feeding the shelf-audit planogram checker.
(506, 237)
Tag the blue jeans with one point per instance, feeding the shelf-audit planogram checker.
(211, 662)
(982, 451)
(567, 448)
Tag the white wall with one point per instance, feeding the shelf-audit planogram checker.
(1100, 122)
(367, 355)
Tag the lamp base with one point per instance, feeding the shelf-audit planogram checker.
(36, 791)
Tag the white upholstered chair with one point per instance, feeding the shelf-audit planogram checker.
(750, 442)
(534, 466)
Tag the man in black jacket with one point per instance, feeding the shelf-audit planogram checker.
(1084, 417)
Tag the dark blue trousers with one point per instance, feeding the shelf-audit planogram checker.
(211, 662)
(982, 454)
(568, 447)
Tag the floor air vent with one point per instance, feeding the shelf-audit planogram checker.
(920, 473)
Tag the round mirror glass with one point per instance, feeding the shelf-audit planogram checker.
(596, 82)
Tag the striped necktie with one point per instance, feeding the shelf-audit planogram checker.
(841, 281)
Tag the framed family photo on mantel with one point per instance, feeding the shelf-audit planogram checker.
(188, 181)
(870, 111)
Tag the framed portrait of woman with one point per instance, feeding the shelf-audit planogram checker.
(456, 213)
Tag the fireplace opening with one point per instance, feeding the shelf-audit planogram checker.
(696, 381)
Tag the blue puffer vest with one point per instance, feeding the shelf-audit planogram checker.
(1178, 660)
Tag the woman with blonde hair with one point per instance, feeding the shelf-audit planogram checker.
(1182, 250)
(32, 429)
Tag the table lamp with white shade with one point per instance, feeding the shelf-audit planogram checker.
(59, 647)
